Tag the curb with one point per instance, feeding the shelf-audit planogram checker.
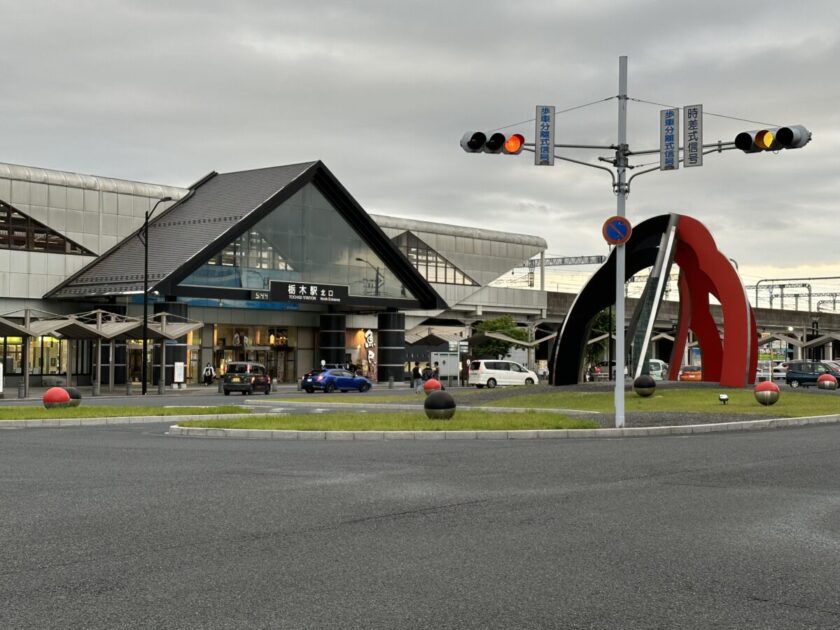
(691, 429)
(85, 422)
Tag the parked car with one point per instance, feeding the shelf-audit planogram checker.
(608, 369)
(657, 368)
(487, 372)
(246, 377)
(333, 379)
(778, 373)
(806, 373)
(690, 373)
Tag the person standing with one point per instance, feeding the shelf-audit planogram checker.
(416, 378)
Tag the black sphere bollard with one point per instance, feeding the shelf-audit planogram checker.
(75, 396)
(439, 405)
(644, 385)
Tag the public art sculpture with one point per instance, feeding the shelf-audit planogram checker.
(729, 358)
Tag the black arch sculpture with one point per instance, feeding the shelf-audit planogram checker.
(566, 359)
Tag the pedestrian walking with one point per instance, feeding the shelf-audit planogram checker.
(209, 374)
(416, 378)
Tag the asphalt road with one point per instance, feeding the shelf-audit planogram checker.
(124, 527)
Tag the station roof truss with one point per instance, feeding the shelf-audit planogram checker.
(96, 324)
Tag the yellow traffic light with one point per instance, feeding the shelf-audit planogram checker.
(775, 139)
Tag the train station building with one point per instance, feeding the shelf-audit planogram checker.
(278, 265)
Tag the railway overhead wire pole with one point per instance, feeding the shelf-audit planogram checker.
(773, 138)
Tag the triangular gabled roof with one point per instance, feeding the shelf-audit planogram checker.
(219, 209)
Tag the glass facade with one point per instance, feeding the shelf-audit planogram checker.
(431, 265)
(273, 347)
(18, 231)
(303, 240)
(47, 356)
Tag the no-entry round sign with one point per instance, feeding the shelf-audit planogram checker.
(617, 230)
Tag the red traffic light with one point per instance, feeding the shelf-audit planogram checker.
(514, 144)
(477, 141)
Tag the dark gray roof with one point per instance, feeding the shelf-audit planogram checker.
(217, 210)
(182, 232)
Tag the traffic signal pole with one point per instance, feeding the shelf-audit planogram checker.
(771, 139)
(621, 199)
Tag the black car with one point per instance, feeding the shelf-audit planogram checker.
(806, 373)
(246, 377)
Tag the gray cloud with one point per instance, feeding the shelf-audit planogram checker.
(382, 91)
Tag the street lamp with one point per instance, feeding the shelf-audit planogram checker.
(145, 240)
(376, 269)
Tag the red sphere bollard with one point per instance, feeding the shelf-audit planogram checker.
(767, 392)
(827, 381)
(432, 385)
(56, 397)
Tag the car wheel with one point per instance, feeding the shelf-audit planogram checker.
(329, 388)
(794, 383)
(529, 381)
(227, 392)
(310, 390)
(364, 387)
(491, 383)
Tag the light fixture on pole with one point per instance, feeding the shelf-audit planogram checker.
(145, 239)
(376, 270)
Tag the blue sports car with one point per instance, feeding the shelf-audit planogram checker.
(334, 379)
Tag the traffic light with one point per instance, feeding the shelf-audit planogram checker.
(479, 142)
(773, 139)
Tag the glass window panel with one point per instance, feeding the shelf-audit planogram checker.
(304, 240)
(430, 265)
(18, 231)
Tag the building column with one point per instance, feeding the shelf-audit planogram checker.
(163, 361)
(391, 346)
(331, 340)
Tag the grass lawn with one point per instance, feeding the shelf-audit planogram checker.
(741, 401)
(42, 413)
(402, 421)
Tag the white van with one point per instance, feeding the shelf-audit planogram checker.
(491, 373)
(658, 369)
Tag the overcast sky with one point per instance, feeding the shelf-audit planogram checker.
(382, 91)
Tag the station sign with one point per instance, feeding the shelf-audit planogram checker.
(308, 292)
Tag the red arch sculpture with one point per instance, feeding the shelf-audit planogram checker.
(731, 359)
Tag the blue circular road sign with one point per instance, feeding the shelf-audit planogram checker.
(617, 230)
